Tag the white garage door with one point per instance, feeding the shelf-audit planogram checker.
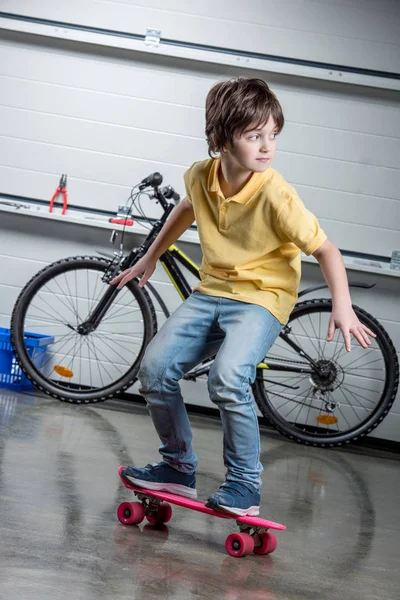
(107, 117)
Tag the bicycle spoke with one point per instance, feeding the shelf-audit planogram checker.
(107, 360)
(337, 355)
(98, 363)
(80, 362)
(120, 343)
(302, 406)
(91, 360)
(76, 297)
(292, 383)
(307, 336)
(300, 403)
(354, 394)
(69, 365)
(68, 337)
(371, 362)
(63, 357)
(369, 369)
(338, 340)
(89, 363)
(123, 323)
(358, 387)
(68, 301)
(91, 300)
(56, 317)
(293, 335)
(348, 404)
(316, 337)
(308, 413)
(111, 316)
(290, 399)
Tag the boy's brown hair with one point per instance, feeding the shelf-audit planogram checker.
(234, 105)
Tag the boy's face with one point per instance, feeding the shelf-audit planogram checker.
(254, 149)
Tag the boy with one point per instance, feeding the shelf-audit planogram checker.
(252, 227)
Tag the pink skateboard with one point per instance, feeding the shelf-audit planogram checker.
(253, 537)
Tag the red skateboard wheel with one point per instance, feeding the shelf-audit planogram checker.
(268, 543)
(163, 514)
(239, 544)
(130, 513)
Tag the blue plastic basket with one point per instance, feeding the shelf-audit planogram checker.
(11, 375)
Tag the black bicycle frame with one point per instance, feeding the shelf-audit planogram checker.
(169, 261)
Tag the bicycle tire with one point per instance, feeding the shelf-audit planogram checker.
(64, 391)
(316, 435)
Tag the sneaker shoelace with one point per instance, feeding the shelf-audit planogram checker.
(236, 489)
(154, 466)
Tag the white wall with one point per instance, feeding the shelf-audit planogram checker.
(355, 33)
(109, 120)
(107, 117)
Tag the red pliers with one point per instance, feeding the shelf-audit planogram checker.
(61, 189)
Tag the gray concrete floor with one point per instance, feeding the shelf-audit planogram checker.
(60, 537)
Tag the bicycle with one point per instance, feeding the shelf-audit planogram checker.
(312, 392)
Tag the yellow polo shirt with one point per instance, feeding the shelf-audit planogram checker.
(251, 242)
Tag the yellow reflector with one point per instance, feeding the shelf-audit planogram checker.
(327, 419)
(63, 371)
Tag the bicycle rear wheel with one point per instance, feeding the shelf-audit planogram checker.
(339, 398)
(77, 367)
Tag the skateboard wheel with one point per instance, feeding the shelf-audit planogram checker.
(239, 544)
(130, 513)
(163, 514)
(268, 543)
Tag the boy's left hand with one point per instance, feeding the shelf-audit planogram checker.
(345, 319)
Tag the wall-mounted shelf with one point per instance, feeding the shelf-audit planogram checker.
(91, 219)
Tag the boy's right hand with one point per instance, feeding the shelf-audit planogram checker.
(145, 267)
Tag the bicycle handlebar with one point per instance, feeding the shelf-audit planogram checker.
(154, 180)
(168, 192)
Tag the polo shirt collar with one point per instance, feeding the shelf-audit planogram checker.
(247, 193)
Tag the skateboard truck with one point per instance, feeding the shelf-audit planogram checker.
(255, 532)
(151, 505)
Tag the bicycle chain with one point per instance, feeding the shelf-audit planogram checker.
(287, 360)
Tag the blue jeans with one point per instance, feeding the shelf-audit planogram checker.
(241, 335)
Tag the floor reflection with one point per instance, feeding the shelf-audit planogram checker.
(59, 493)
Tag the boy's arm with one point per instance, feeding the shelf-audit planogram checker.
(343, 315)
(180, 219)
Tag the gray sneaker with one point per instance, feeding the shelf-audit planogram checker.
(236, 497)
(161, 477)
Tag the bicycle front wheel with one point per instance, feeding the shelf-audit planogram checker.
(81, 367)
(335, 397)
